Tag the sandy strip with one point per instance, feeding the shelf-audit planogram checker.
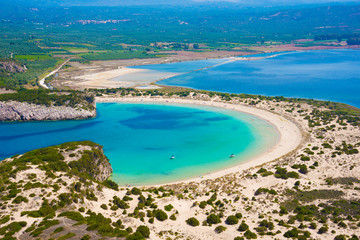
(104, 79)
(290, 135)
(106, 75)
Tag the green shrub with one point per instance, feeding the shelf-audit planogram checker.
(86, 237)
(232, 220)
(293, 233)
(135, 191)
(193, 222)
(76, 216)
(342, 224)
(303, 169)
(326, 145)
(312, 225)
(45, 211)
(213, 198)
(104, 206)
(250, 235)
(120, 203)
(44, 224)
(5, 219)
(202, 204)
(267, 224)
(111, 184)
(160, 215)
(20, 199)
(243, 227)
(213, 219)
(59, 229)
(168, 207)
(9, 230)
(144, 230)
(323, 229)
(265, 190)
(261, 170)
(293, 175)
(283, 210)
(66, 236)
(220, 229)
(305, 158)
(340, 237)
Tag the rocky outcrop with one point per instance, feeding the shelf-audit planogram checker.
(101, 164)
(90, 160)
(11, 67)
(105, 171)
(22, 111)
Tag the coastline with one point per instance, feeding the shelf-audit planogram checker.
(290, 135)
(105, 78)
(260, 190)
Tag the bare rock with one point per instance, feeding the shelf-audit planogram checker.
(22, 111)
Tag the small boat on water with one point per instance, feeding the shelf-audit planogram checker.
(232, 155)
(172, 157)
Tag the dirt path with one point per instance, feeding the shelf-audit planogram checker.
(42, 81)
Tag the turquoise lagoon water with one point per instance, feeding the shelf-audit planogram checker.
(323, 74)
(139, 139)
(155, 72)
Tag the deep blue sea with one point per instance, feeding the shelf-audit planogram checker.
(323, 74)
(139, 139)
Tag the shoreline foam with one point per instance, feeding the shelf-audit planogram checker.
(289, 133)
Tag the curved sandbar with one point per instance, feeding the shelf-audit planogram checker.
(290, 134)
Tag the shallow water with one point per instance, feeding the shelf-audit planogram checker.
(322, 74)
(156, 72)
(139, 139)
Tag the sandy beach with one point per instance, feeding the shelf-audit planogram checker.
(104, 79)
(290, 134)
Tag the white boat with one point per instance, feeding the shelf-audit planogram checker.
(232, 155)
(172, 157)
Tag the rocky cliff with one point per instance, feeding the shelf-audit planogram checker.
(92, 162)
(22, 111)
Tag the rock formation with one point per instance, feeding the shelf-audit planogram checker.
(22, 111)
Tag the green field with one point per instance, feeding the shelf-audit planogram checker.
(119, 55)
(149, 31)
(75, 49)
(34, 57)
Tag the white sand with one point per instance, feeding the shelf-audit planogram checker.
(108, 74)
(290, 134)
(104, 79)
